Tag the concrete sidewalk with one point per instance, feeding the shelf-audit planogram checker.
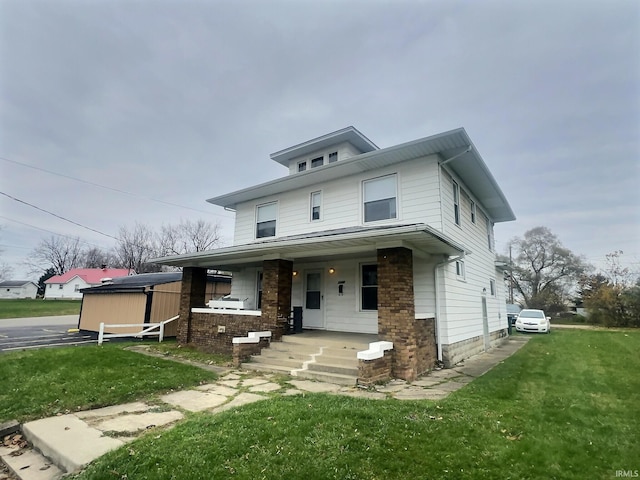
(70, 441)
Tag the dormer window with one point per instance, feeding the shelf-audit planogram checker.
(302, 166)
(333, 157)
(317, 162)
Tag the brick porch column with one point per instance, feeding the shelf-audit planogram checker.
(396, 309)
(192, 294)
(276, 295)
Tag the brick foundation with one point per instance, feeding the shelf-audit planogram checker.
(242, 351)
(375, 371)
(276, 295)
(205, 336)
(413, 340)
(192, 294)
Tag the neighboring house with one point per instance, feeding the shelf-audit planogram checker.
(138, 299)
(18, 289)
(396, 242)
(68, 285)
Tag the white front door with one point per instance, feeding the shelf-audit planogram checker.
(312, 316)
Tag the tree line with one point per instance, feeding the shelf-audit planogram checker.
(543, 274)
(134, 248)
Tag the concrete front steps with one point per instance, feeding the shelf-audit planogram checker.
(323, 356)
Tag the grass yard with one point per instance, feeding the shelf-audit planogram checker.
(566, 406)
(37, 308)
(45, 382)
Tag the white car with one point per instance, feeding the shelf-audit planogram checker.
(530, 320)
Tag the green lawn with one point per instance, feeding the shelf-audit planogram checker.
(40, 383)
(566, 406)
(37, 308)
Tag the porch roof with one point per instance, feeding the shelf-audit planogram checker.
(331, 244)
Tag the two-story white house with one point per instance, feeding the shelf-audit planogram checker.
(396, 242)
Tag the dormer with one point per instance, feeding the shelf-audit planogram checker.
(324, 150)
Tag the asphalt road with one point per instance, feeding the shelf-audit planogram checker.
(41, 332)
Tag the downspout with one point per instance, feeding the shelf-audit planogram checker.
(437, 282)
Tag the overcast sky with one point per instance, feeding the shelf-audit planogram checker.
(180, 101)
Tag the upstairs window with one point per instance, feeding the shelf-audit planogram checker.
(380, 199)
(456, 203)
(317, 162)
(333, 157)
(489, 235)
(369, 287)
(302, 166)
(316, 200)
(473, 211)
(266, 220)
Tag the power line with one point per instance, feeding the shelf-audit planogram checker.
(117, 190)
(57, 216)
(50, 231)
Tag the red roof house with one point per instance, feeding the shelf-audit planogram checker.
(68, 285)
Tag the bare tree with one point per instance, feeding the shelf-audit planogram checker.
(188, 236)
(95, 257)
(59, 253)
(544, 271)
(5, 269)
(135, 247)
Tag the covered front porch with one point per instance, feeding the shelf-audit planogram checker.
(373, 281)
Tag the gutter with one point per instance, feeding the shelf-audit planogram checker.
(437, 283)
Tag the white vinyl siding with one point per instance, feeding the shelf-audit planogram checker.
(418, 202)
(461, 302)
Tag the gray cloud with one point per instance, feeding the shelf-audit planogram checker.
(185, 100)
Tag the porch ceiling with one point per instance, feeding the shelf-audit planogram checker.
(329, 245)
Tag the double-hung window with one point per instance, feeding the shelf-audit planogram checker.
(380, 198)
(489, 235)
(266, 220)
(316, 202)
(369, 287)
(473, 211)
(492, 287)
(456, 202)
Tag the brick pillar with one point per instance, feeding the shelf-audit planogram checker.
(276, 295)
(192, 294)
(396, 309)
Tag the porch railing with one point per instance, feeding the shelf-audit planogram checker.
(148, 330)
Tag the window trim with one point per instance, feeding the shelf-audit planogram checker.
(474, 211)
(460, 269)
(333, 155)
(456, 202)
(492, 287)
(311, 206)
(315, 159)
(489, 234)
(361, 281)
(302, 166)
(275, 229)
(364, 183)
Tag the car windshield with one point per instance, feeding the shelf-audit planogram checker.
(531, 314)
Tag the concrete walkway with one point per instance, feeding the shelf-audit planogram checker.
(73, 440)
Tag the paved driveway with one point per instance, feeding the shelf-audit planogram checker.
(40, 332)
